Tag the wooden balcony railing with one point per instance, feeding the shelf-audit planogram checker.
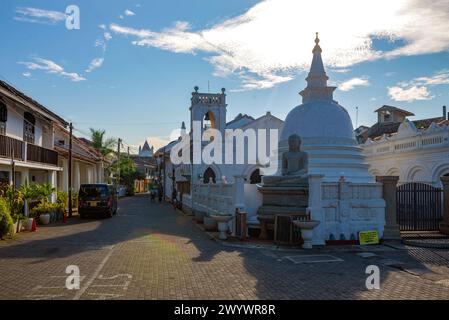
(42, 155)
(11, 148)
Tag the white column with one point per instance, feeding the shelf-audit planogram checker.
(239, 192)
(65, 175)
(25, 176)
(76, 176)
(316, 208)
(52, 176)
(95, 173)
(100, 173)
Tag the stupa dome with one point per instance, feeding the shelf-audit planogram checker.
(326, 130)
(318, 119)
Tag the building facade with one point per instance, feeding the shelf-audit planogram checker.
(87, 163)
(27, 135)
(416, 151)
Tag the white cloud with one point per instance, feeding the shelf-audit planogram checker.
(352, 83)
(26, 74)
(410, 94)
(129, 13)
(276, 37)
(439, 78)
(94, 64)
(417, 89)
(36, 15)
(51, 67)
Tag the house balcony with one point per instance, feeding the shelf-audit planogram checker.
(11, 148)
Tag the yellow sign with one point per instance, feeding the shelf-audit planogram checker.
(368, 237)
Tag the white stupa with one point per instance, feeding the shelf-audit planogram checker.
(325, 129)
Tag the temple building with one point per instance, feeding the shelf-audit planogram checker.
(211, 111)
(413, 150)
(146, 151)
(144, 160)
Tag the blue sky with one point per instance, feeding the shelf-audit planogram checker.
(132, 65)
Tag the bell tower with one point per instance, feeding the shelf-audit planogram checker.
(209, 109)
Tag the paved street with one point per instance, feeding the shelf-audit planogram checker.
(151, 251)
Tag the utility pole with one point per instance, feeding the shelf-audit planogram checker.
(163, 159)
(118, 161)
(13, 174)
(70, 171)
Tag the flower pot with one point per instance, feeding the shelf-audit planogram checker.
(19, 226)
(222, 221)
(29, 225)
(209, 224)
(306, 228)
(45, 218)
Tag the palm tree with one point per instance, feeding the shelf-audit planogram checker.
(104, 146)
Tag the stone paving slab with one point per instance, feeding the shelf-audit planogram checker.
(151, 251)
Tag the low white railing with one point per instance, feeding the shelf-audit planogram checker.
(218, 198)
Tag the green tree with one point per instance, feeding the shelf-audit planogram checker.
(104, 145)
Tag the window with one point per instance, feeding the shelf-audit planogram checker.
(255, 177)
(387, 116)
(28, 127)
(209, 173)
(209, 121)
(3, 117)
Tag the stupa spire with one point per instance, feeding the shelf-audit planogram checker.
(317, 88)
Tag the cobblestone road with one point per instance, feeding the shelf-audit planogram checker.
(150, 251)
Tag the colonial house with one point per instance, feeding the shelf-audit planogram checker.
(27, 135)
(87, 163)
(414, 150)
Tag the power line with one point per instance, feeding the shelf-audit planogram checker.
(127, 123)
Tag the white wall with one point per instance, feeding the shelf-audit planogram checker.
(14, 125)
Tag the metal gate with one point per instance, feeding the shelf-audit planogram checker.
(419, 207)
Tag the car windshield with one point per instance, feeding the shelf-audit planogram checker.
(93, 191)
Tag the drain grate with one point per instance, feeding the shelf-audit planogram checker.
(315, 258)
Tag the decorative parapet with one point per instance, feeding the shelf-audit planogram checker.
(208, 99)
(219, 198)
(434, 136)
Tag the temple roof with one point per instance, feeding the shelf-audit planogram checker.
(146, 146)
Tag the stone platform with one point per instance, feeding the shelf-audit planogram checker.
(282, 200)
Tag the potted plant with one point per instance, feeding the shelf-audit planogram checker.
(62, 201)
(16, 205)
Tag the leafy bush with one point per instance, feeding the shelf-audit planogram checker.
(6, 223)
(15, 201)
(62, 200)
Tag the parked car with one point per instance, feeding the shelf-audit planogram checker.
(97, 199)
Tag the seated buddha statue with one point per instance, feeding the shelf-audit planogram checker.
(294, 165)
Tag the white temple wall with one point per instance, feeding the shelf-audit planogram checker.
(345, 209)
